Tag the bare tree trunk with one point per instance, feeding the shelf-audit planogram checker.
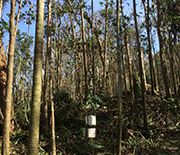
(128, 60)
(105, 48)
(119, 60)
(172, 64)
(56, 50)
(37, 82)
(3, 75)
(52, 150)
(162, 58)
(125, 77)
(8, 107)
(78, 68)
(84, 50)
(152, 70)
(93, 53)
(143, 89)
(45, 99)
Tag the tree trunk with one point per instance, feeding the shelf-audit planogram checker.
(172, 63)
(119, 60)
(152, 70)
(78, 68)
(125, 77)
(8, 107)
(93, 66)
(3, 75)
(84, 51)
(37, 76)
(52, 143)
(105, 48)
(1, 6)
(128, 60)
(162, 58)
(45, 100)
(143, 89)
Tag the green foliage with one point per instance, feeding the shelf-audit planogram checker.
(4, 26)
(93, 101)
(101, 3)
(18, 137)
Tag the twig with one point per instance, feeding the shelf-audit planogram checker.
(41, 148)
(130, 132)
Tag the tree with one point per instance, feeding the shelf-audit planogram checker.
(93, 66)
(7, 113)
(2, 71)
(128, 59)
(152, 70)
(105, 48)
(162, 58)
(52, 118)
(45, 97)
(36, 91)
(84, 50)
(2, 79)
(171, 26)
(141, 70)
(119, 60)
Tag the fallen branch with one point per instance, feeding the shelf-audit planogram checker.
(131, 133)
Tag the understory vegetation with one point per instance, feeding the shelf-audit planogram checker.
(163, 121)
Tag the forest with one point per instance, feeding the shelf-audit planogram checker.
(95, 77)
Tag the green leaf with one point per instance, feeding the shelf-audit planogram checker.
(101, 3)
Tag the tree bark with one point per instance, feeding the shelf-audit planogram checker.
(3, 79)
(37, 82)
(93, 53)
(128, 60)
(162, 58)
(8, 107)
(84, 50)
(45, 99)
(143, 88)
(119, 60)
(78, 68)
(152, 70)
(52, 141)
(105, 48)
(172, 63)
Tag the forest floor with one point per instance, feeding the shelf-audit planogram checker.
(163, 137)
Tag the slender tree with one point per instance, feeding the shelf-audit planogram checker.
(162, 57)
(143, 89)
(128, 59)
(52, 118)
(84, 49)
(37, 76)
(119, 60)
(172, 63)
(93, 53)
(8, 107)
(3, 73)
(2, 79)
(45, 99)
(105, 47)
(152, 70)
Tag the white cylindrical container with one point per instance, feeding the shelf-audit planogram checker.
(91, 120)
(91, 133)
